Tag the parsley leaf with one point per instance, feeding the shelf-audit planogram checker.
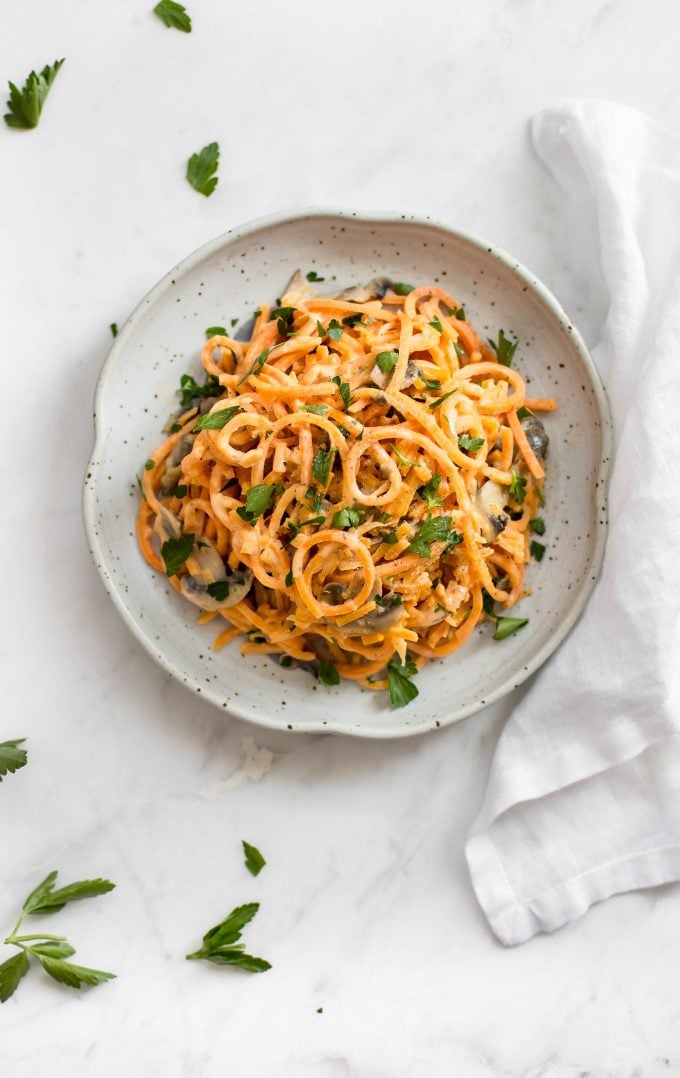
(26, 105)
(508, 626)
(175, 552)
(295, 528)
(149, 465)
(11, 973)
(290, 579)
(431, 383)
(347, 518)
(256, 366)
(201, 169)
(217, 420)
(284, 316)
(258, 500)
(343, 387)
(400, 288)
(334, 330)
(220, 943)
(114, 329)
(189, 389)
(504, 348)
(353, 320)
(433, 530)
(318, 409)
(537, 550)
(524, 413)
(429, 491)
(440, 400)
(404, 461)
(436, 324)
(517, 488)
(173, 15)
(219, 589)
(180, 491)
(387, 361)
(401, 688)
(314, 276)
(470, 444)
(327, 674)
(537, 525)
(255, 862)
(389, 601)
(390, 538)
(319, 329)
(322, 464)
(50, 950)
(215, 331)
(11, 756)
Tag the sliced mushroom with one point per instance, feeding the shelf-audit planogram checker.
(173, 462)
(361, 293)
(411, 374)
(490, 506)
(536, 436)
(377, 621)
(212, 570)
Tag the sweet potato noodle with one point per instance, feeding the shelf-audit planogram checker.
(349, 483)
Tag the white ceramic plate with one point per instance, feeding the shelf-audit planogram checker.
(227, 279)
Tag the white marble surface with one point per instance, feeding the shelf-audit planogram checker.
(367, 910)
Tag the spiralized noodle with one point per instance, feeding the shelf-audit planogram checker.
(359, 477)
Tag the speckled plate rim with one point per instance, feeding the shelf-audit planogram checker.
(580, 596)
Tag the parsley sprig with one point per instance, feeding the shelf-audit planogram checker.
(429, 491)
(52, 952)
(25, 106)
(401, 688)
(433, 530)
(202, 169)
(258, 500)
(504, 626)
(12, 757)
(220, 944)
(173, 15)
(504, 348)
(189, 389)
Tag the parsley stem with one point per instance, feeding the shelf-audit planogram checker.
(38, 936)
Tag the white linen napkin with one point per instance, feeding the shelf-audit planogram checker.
(583, 798)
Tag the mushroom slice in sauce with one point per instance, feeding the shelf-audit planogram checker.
(411, 374)
(536, 436)
(386, 614)
(212, 570)
(173, 462)
(490, 506)
(361, 293)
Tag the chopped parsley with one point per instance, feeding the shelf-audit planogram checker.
(321, 465)
(431, 383)
(404, 461)
(537, 550)
(318, 409)
(387, 361)
(175, 552)
(387, 604)
(343, 388)
(334, 330)
(391, 538)
(440, 400)
(254, 860)
(290, 579)
(25, 106)
(436, 324)
(517, 488)
(180, 492)
(284, 316)
(400, 288)
(295, 528)
(353, 320)
(314, 276)
(524, 413)
(258, 500)
(429, 491)
(189, 389)
(114, 329)
(202, 169)
(256, 366)
(433, 530)
(504, 348)
(219, 590)
(401, 688)
(217, 420)
(537, 525)
(327, 674)
(150, 464)
(471, 445)
(215, 331)
(504, 626)
(347, 518)
(173, 15)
